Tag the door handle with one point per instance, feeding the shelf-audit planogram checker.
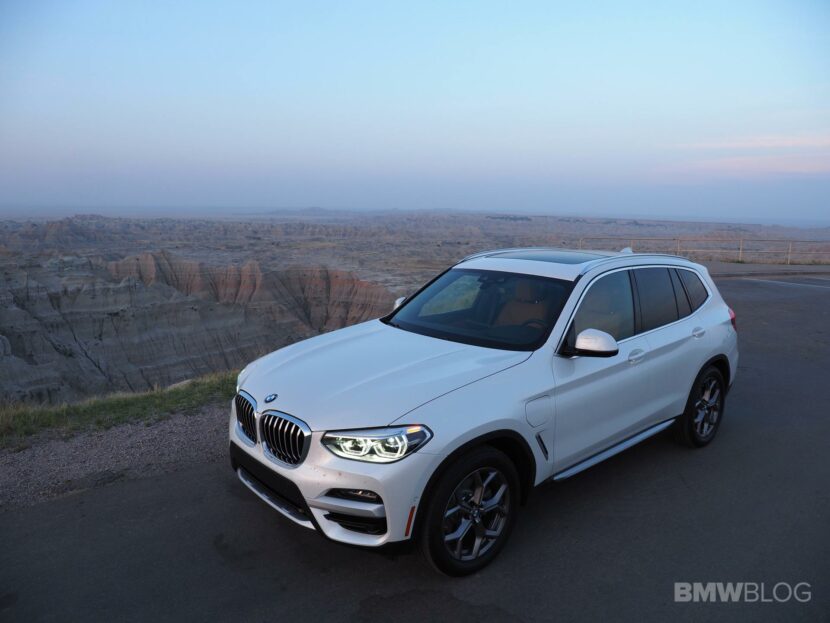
(636, 355)
(698, 332)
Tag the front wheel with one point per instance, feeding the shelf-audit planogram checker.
(471, 512)
(704, 409)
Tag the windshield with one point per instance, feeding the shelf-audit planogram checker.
(486, 308)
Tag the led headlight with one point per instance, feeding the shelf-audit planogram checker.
(377, 445)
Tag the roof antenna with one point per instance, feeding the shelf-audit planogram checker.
(627, 250)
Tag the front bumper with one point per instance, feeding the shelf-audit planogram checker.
(302, 493)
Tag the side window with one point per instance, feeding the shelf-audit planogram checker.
(694, 287)
(461, 294)
(657, 304)
(608, 306)
(683, 307)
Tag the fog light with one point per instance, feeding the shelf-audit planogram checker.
(357, 495)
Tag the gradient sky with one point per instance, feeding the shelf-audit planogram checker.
(664, 109)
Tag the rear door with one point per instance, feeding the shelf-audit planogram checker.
(599, 400)
(666, 321)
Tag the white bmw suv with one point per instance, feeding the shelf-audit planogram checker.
(511, 368)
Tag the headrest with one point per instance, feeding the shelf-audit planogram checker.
(527, 291)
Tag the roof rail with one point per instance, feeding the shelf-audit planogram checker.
(627, 256)
(585, 267)
(506, 250)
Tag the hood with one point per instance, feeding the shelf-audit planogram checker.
(367, 375)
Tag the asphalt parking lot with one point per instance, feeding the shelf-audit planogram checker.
(607, 544)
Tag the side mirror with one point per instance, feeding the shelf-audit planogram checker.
(398, 302)
(595, 343)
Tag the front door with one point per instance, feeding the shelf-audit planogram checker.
(601, 400)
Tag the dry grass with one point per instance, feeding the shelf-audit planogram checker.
(19, 421)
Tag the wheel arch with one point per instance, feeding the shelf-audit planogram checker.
(507, 441)
(721, 362)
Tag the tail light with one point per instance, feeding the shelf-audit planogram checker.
(733, 319)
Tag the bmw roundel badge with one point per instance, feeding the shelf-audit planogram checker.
(270, 398)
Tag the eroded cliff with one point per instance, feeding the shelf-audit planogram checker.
(73, 327)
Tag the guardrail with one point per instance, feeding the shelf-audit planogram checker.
(750, 250)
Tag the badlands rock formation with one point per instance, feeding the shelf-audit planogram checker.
(72, 327)
(89, 304)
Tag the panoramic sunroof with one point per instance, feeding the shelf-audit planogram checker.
(557, 257)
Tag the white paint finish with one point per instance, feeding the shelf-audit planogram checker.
(374, 375)
(398, 484)
(539, 411)
(367, 375)
(599, 400)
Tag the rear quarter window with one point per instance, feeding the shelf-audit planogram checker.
(694, 288)
(683, 306)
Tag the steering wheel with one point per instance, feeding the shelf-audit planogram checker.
(534, 321)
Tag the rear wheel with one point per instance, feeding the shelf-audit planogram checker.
(471, 512)
(700, 421)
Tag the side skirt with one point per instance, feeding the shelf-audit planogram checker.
(616, 449)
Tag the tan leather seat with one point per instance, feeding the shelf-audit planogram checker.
(526, 306)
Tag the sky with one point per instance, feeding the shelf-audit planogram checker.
(708, 110)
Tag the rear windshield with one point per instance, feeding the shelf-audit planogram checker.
(495, 309)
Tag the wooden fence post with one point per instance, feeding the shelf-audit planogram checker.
(789, 253)
(741, 251)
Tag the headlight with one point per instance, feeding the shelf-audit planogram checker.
(379, 445)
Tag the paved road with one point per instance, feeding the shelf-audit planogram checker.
(725, 269)
(607, 544)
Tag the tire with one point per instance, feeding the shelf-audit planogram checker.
(701, 420)
(476, 500)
